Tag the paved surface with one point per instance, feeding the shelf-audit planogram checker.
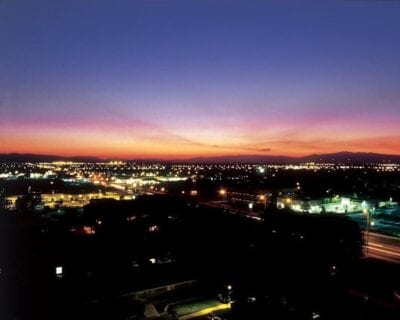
(382, 247)
(379, 225)
(378, 246)
(150, 311)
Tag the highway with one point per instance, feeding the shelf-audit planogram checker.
(223, 205)
(383, 247)
(378, 246)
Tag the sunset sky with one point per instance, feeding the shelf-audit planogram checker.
(177, 79)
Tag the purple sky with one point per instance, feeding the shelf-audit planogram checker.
(179, 79)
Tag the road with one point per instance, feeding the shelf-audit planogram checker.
(253, 214)
(383, 247)
(379, 246)
(378, 225)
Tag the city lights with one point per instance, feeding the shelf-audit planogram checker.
(200, 160)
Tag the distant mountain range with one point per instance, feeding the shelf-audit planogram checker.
(339, 157)
(30, 157)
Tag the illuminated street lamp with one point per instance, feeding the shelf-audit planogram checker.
(223, 193)
(372, 223)
(263, 198)
(229, 292)
(59, 271)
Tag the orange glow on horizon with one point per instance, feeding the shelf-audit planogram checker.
(125, 143)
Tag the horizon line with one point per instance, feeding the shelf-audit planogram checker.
(197, 157)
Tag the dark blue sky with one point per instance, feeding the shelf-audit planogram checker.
(215, 76)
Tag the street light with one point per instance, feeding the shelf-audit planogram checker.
(229, 292)
(263, 198)
(372, 223)
(223, 193)
(59, 272)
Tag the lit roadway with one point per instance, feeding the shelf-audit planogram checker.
(254, 214)
(383, 247)
(378, 246)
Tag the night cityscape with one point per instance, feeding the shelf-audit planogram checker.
(205, 160)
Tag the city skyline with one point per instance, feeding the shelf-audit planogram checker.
(171, 80)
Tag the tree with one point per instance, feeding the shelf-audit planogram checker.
(28, 201)
(4, 202)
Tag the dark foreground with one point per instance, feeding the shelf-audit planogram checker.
(284, 267)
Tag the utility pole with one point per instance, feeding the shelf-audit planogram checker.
(367, 231)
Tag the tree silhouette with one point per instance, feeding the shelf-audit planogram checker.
(28, 201)
(4, 202)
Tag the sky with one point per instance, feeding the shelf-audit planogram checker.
(180, 79)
